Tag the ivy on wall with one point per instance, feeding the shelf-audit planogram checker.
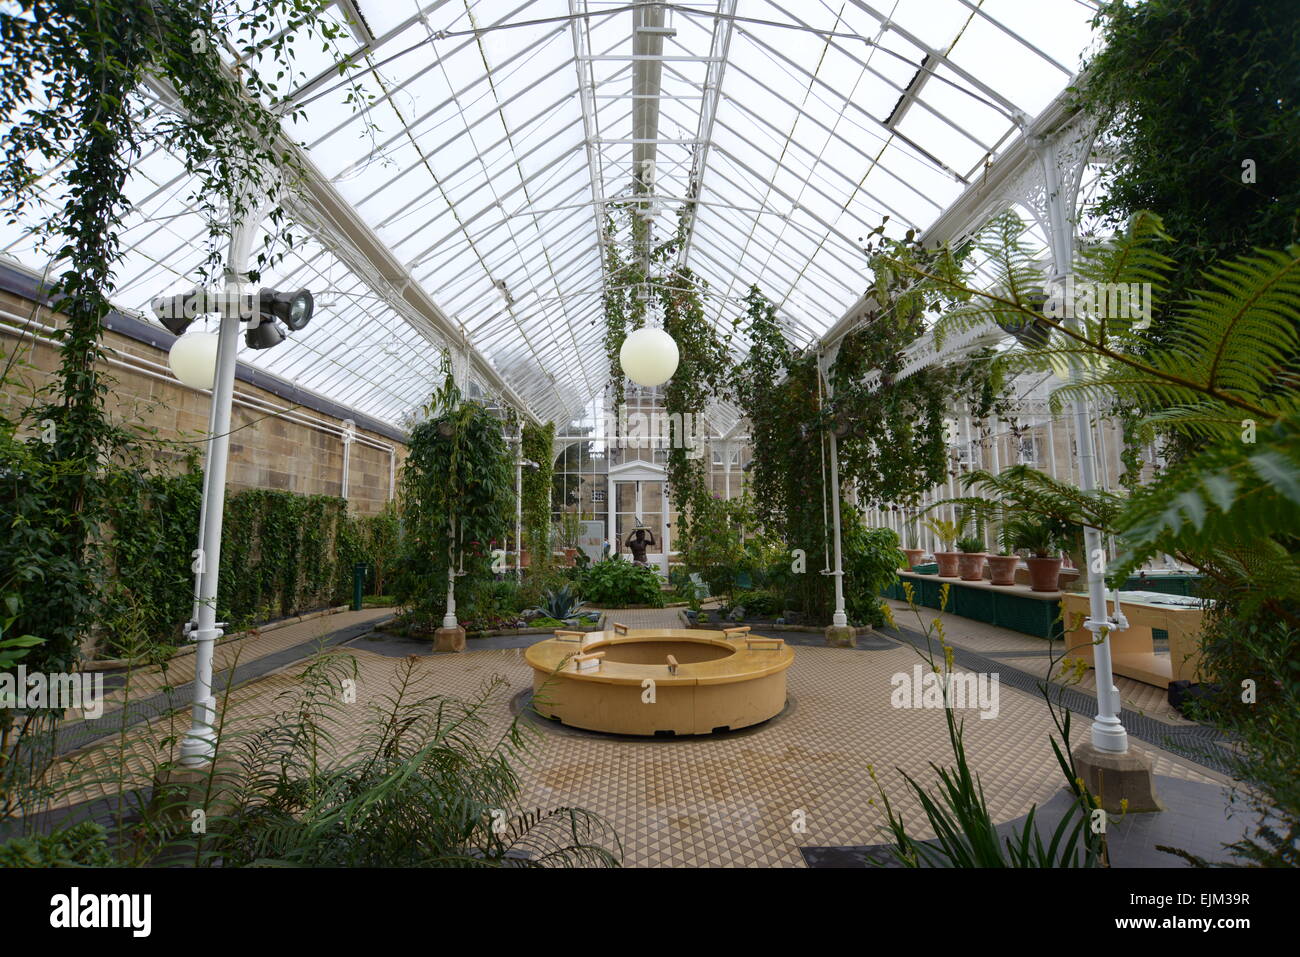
(153, 520)
(284, 554)
(891, 433)
(73, 98)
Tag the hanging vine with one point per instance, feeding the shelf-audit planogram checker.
(892, 428)
(457, 500)
(635, 277)
(538, 446)
(73, 98)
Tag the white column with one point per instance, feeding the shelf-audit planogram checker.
(519, 508)
(1108, 732)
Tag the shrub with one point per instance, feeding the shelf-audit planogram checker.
(871, 563)
(81, 845)
(615, 583)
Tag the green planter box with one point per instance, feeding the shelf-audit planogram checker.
(1005, 609)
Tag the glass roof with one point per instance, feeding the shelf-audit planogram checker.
(500, 131)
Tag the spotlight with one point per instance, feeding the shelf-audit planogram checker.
(177, 312)
(1033, 333)
(294, 309)
(264, 335)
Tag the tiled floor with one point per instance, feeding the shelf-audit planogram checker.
(751, 799)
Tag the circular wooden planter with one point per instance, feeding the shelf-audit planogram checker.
(715, 681)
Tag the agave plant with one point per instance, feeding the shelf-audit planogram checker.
(561, 603)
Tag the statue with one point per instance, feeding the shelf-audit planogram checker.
(637, 543)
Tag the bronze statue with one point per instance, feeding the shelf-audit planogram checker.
(637, 543)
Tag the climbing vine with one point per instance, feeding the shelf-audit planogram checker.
(538, 446)
(457, 501)
(892, 426)
(642, 273)
(74, 98)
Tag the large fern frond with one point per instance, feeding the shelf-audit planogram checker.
(1234, 496)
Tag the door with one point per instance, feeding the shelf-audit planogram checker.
(640, 504)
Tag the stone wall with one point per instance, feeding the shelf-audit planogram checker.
(273, 443)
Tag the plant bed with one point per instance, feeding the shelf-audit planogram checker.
(760, 625)
(180, 651)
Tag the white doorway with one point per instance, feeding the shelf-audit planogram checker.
(639, 499)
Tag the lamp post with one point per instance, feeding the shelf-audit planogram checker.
(838, 631)
(198, 746)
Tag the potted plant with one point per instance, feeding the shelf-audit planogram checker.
(569, 534)
(947, 532)
(1002, 566)
(970, 558)
(1039, 539)
(913, 553)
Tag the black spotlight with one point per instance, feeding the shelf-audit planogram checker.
(1033, 333)
(294, 309)
(177, 312)
(265, 335)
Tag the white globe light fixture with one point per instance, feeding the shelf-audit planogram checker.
(193, 359)
(649, 356)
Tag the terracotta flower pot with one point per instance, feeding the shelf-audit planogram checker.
(971, 565)
(1044, 573)
(1003, 569)
(913, 556)
(570, 555)
(948, 563)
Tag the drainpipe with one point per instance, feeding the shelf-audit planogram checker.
(349, 434)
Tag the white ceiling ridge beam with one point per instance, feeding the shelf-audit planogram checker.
(714, 75)
(970, 209)
(647, 81)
